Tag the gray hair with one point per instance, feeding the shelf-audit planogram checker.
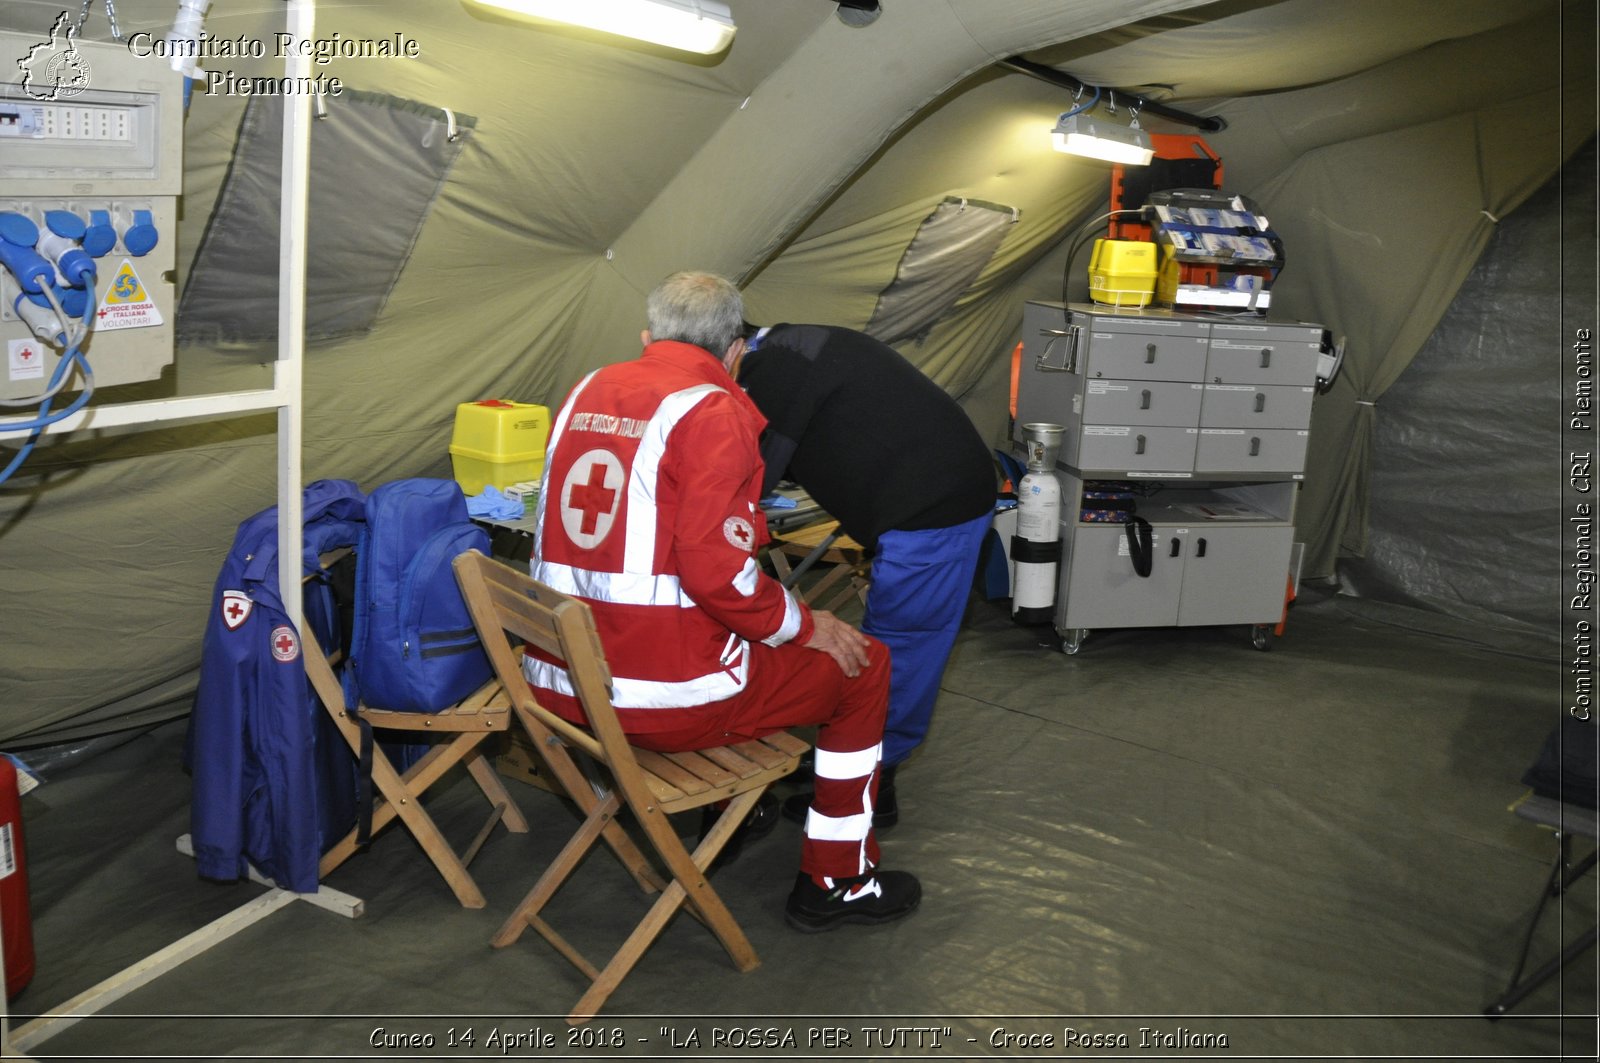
(699, 308)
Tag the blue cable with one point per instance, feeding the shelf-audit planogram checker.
(72, 356)
(45, 418)
(1082, 107)
(38, 425)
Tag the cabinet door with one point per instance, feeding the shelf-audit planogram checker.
(1256, 406)
(1136, 448)
(1099, 587)
(1146, 356)
(1235, 574)
(1144, 402)
(1249, 452)
(1264, 361)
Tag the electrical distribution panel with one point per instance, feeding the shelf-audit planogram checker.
(90, 162)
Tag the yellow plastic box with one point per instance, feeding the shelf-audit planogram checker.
(498, 442)
(1122, 272)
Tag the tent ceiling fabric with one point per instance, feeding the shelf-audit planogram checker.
(801, 162)
(811, 125)
(1244, 47)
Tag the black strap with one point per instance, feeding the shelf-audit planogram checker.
(1141, 545)
(341, 578)
(1031, 553)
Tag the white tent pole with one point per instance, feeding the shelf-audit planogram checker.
(292, 307)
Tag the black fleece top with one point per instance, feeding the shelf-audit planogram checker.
(874, 441)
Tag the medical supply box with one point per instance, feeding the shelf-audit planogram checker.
(498, 442)
(1122, 272)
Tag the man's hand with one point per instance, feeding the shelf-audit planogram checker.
(838, 640)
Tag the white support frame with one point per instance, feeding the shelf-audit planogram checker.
(287, 397)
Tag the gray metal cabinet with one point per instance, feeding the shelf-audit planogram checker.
(1199, 575)
(1210, 419)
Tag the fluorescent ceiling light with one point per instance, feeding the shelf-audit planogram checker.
(1099, 139)
(703, 26)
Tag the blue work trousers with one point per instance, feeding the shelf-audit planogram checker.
(920, 582)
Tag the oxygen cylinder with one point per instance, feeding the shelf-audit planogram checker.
(16, 921)
(1036, 547)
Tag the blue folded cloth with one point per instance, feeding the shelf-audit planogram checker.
(491, 503)
(778, 502)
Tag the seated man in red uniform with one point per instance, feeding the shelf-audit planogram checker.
(648, 512)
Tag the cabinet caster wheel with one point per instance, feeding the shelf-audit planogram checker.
(1261, 637)
(1072, 640)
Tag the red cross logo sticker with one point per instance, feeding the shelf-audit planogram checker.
(236, 606)
(285, 644)
(739, 533)
(591, 498)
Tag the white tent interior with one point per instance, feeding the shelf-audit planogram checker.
(1382, 137)
(1386, 139)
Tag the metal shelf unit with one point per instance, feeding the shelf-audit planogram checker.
(1208, 418)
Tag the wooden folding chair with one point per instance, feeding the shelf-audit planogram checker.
(652, 786)
(460, 729)
(822, 543)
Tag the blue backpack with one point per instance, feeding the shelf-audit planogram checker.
(414, 648)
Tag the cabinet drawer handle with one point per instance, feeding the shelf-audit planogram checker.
(1261, 402)
(1073, 335)
(1138, 445)
(1176, 544)
(1266, 357)
(1255, 446)
(1149, 354)
(1200, 548)
(1144, 399)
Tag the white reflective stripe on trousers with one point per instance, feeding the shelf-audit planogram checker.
(831, 764)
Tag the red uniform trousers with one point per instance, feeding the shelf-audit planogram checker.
(792, 686)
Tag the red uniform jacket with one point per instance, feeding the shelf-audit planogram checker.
(649, 512)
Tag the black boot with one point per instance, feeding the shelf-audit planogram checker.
(885, 815)
(876, 897)
(887, 811)
(757, 825)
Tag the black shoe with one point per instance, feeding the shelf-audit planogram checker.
(757, 825)
(878, 897)
(884, 816)
(797, 806)
(887, 811)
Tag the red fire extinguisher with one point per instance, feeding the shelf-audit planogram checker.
(16, 923)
